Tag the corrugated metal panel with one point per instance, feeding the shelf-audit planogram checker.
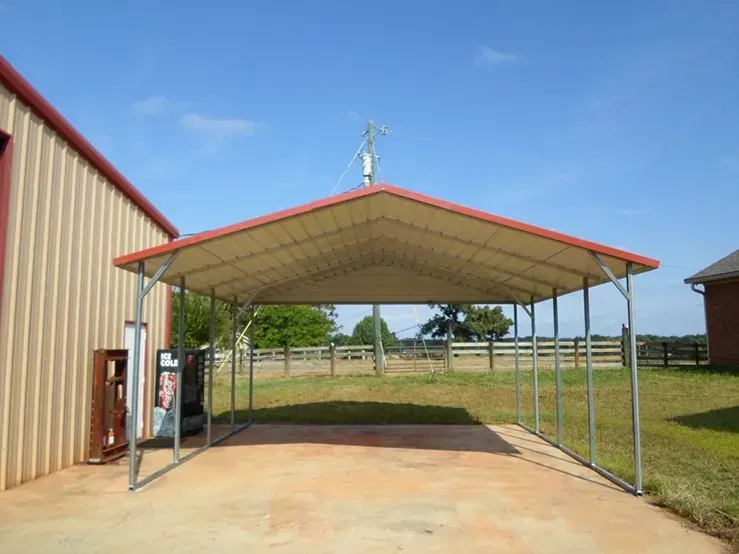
(62, 296)
(466, 253)
(385, 284)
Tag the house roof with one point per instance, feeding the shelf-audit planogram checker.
(727, 267)
(16, 84)
(383, 244)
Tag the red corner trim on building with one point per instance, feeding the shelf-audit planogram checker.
(15, 82)
(168, 314)
(6, 161)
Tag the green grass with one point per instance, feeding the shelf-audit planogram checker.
(690, 421)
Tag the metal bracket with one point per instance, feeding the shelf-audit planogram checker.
(518, 301)
(158, 275)
(610, 274)
(248, 303)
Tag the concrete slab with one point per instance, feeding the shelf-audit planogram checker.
(331, 489)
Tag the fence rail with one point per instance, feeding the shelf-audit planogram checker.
(459, 356)
(465, 356)
(668, 354)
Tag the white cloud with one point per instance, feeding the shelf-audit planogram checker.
(351, 115)
(541, 186)
(630, 212)
(487, 56)
(730, 161)
(218, 126)
(156, 105)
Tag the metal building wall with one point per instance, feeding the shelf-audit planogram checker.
(62, 297)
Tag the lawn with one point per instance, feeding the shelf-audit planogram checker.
(690, 421)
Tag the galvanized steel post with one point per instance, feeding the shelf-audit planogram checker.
(180, 370)
(332, 355)
(252, 332)
(133, 419)
(212, 363)
(557, 368)
(449, 351)
(518, 372)
(535, 360)
(233, 365)
(377, 320)
(589, 369)
(634, 380)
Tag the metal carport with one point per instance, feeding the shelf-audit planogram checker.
(384, 244)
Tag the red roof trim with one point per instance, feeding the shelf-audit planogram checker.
(527, 228)
(242, 226)
(346, 197)
(31, 97)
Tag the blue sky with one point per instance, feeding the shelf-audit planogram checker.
(613, 122)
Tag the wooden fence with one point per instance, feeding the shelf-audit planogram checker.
(461, 356)
(465, 356)
(668, 354)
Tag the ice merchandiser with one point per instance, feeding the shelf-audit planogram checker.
(193, 399)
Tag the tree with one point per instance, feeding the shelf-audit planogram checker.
(468, 322)
(449, 314)
(197, 321)
(364, 332)
(486, 323)
(279, 326)
(340, 339)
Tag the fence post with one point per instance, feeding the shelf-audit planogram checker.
(577, 354)
(491, 355)
(664, 353)
(287, 361)
(625, 350)
(696, 348)
(449, 353)
(333, 359)
(241, 361)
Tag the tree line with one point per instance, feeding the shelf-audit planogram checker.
(306, 326)
(296, 326)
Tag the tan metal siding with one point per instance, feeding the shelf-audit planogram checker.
(62, 296)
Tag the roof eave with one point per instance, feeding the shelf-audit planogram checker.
(19, 86)
(699, 280)
(628, 257)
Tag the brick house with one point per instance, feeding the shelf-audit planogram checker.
(720, 281)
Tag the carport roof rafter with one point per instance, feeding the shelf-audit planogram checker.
(400, 247)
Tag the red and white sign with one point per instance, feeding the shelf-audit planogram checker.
(167, 389)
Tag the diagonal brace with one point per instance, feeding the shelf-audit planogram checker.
(610, 274)
(518, 301)
(158, 275)
(249, 303)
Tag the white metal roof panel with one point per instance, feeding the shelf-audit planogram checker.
(383, 244)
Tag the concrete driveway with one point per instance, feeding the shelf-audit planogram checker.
(348, 489)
